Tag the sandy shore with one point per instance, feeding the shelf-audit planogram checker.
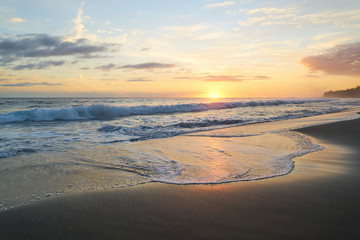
(318, 200)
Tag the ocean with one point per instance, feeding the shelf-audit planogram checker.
(54, 146)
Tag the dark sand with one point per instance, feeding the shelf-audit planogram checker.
(320, 199)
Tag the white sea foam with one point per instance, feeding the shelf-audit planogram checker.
(160, 130)
(39, 146)
(102, 111)
(234, 159)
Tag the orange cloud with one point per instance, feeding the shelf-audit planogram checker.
(343, 59)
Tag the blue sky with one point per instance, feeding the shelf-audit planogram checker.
(240, 48)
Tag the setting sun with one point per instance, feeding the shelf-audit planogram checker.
(213, 95)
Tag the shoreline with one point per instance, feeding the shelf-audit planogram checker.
(317, 200)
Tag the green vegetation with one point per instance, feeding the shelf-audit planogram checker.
(348, 93)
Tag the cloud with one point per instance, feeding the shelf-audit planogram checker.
(311, 76)
(237, 78)
(117, 29)
(220, 4)
(17, 20)
(272, 10)
(231, 78)
(186, 29)
(40, 65)
(148, 65)
(20, 47)
(293, 16)
(29, 84)
(140, 80)
(108, 67)
(79, 28)
(337, 18)
(5, 61)
(272, 16)
(260, 77)
(42, 45)
(343, 59)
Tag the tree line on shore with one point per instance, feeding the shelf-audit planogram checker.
(347, 93)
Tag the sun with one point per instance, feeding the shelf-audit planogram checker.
(213, 95)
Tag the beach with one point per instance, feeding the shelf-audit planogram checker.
(179, 120)
(317, 200)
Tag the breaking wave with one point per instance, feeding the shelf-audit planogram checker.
(102, 111)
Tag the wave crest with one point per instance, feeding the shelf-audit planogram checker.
(102, 111)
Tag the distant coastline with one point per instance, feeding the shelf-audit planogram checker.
(348, 93)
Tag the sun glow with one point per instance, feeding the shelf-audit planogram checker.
(213, 95)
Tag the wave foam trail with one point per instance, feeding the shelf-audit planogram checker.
(101, 111)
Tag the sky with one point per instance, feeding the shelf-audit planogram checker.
(188, 48)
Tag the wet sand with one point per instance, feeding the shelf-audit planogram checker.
(318, 200)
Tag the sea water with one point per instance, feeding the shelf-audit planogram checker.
(51, 146)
